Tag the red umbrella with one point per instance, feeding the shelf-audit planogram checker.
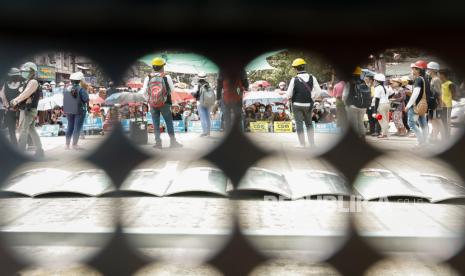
(263, 83)
(177, 97)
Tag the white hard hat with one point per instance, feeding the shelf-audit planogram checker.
(53, 83)
(61, 83)
(202, 75)
(14, 72)
(380, 77)
(282, 84)
(28, 66)
(77, 76)
(433, 66)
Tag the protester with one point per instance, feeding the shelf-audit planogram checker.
(8, 92)
(27, 102)
(382, 104)
(261, 115)
(281, 115)
(75, 101)
(449, 91)
(374, 127)
(229, 92)
(282, 86)
(301, 91)
(175, 112)
(158, 87)
(434, 102)
(205, 97)
(419, 93)
(398, 105)
(357, 98)
(408, 92)
(337, 92)
(111, 89)
(249, 117)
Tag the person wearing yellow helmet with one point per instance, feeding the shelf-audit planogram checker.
(157, 88)
(301, 91)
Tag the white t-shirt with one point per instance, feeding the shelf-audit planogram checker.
(382, 94)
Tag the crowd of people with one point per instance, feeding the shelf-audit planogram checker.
(412, 102)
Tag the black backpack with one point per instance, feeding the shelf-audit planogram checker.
(359, 95)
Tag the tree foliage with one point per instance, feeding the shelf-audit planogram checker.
(284, 72)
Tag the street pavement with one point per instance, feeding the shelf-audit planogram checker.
(194, 227)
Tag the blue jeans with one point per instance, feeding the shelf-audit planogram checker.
(165, 111)
(75, 123)
(204, 113)
(412, 123)
(423, 122)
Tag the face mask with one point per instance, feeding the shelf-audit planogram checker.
(25, 75)
(14, 85)
(262, 110)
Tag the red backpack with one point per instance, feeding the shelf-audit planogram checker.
(157, 92)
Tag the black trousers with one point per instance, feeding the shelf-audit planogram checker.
(303, 115)
(372, 122)
(11, 118)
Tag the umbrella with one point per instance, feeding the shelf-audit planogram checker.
(125, 98)
(263, 83)
(260, 63)
(263, 97)
(177, 97)
(50, 102)
(135, 84)
(186, 63)
(95, 99)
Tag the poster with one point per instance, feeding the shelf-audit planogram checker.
(283, 127)
(46, 73)
(92, 123)
(259, 126)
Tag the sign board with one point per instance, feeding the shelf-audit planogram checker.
(326, 128)
(215, 125)
(283, 127)
(260, 126)
(49, 130)
(194, 126)
(92, 123)
(46, 73)
(179, 126)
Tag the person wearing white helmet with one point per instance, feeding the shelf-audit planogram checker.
(434, 102)
(282, 86)
(27, 102)
(382, 104)
(206, 98)
(75, 106)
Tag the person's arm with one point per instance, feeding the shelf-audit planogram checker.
(27, 92)
(316, 91)
(84, 95)
(5, 102)
(145, 86)
(345, 92)
(290, 89)
(413, 98)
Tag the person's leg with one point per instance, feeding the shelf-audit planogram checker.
(24, 122)
(168, 116)
(384, 111)
(412, 122)
(371, 120)
(11, 125)
(78, 122)
(299, 123)
(360, 115)
(307, 112)
(447, 121)
(203, 119)
(33, 133)
(156, 124)
(70, 130)
(209, 120)
(423, 122)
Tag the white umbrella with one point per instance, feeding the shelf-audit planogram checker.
(50, 102)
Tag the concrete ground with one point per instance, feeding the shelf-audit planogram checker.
(196, 226)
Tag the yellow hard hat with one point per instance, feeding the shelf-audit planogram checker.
(158, 61)
(298, 62)
(357, 71)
